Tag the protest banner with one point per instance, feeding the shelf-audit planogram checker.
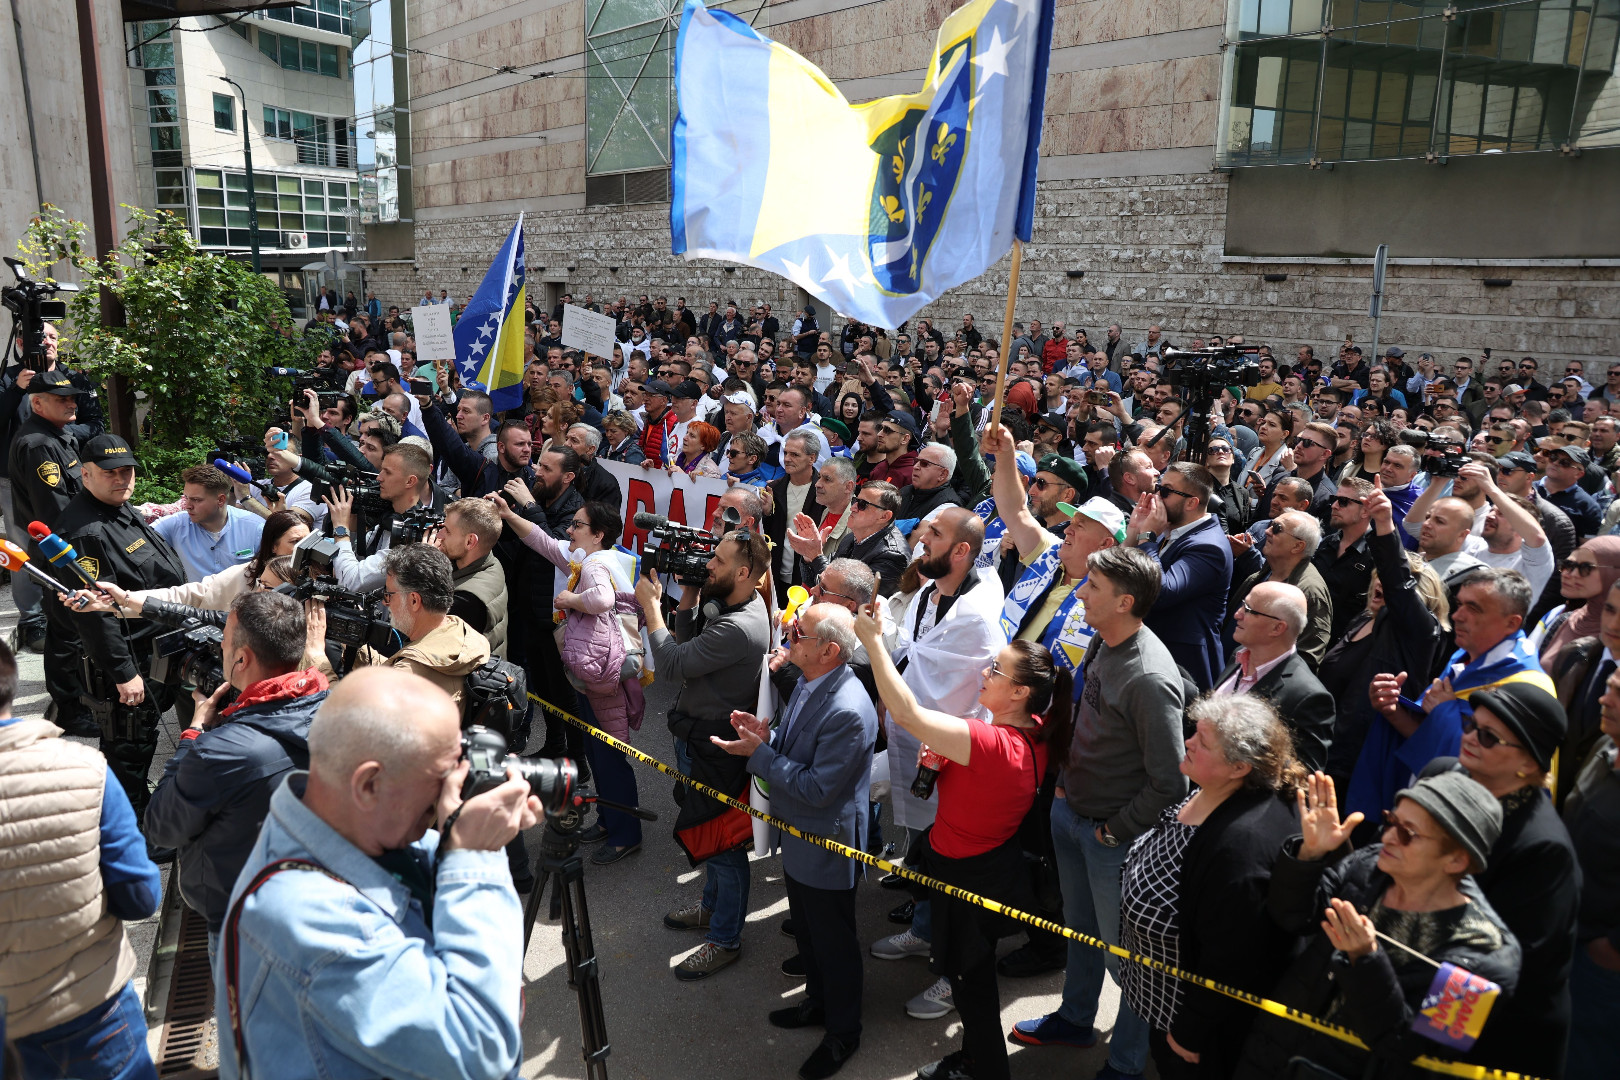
(434, 333)
(683, 499)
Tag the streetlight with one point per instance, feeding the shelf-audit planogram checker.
(253, 194)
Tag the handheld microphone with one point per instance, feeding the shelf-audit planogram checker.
(241, 476)
(15, 559)
(60, 553)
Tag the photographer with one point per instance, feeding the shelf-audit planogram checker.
(439, 647)
(715, 655)
(403, 483)
(215, 790)
(426, 981)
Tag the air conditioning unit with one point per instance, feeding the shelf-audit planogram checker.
(295, 240)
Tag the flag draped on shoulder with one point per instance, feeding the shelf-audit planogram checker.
(877, 208)
(489, 333)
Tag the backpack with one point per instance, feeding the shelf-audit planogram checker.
(496, 697)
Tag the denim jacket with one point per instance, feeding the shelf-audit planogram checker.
(349, 980)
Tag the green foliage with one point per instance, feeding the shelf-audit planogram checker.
(199, 331)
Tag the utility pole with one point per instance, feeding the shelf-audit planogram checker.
(1380, 264)
(253, 192)
(104, 206)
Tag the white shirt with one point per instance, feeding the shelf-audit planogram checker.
(1240, 683)
(1535, 563)
(797, 494)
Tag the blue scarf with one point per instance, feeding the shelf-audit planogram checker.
(1067, 635)
(1389, 762)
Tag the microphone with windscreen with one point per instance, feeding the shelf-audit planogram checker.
(16, 560)
(60, 553)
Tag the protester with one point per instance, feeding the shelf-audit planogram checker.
(1267, 664)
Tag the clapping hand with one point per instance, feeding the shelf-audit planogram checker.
(1385, 692)
(1319, 818)
(1348, 930)
(751, 733)
(806, 538)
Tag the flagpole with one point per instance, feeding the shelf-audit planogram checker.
(1006, 333)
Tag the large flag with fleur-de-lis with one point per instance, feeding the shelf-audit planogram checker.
(489, 333)
(877, 208)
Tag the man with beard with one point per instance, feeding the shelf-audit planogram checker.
(480, 475)
(713, 653)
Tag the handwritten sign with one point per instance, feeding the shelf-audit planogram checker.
(588, 331)
(435, 337)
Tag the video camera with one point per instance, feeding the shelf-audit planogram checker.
(1228, 365)
(352, 619)
(249, 453)
(32, 305)
(361, 485)
(413, 524)
(1440, 455)
(191, 657)
(552, 780)
(682, 552)
(326, 382)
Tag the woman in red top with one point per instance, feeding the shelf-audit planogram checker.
(986, 787)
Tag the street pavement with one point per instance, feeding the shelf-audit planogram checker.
(663, 1029)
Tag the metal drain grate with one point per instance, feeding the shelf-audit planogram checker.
(191, 1003)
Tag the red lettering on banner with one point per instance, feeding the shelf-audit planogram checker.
(709, 511)
(638, 497)
(677, 506)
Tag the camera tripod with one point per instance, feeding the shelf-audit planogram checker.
(559, 861)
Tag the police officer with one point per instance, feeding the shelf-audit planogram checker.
(44, 471)
(15, 396)
(115, 544)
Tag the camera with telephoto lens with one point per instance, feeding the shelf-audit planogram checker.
(1228, 365)
(409, 527)
(682, 552)
(191, 657)
(1440, 455)
(32, 304)
(552, 780)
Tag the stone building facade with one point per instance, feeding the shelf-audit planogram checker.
(1141, 217)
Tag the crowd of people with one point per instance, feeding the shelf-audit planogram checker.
(1295, 673)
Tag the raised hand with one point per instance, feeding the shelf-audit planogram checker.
(1319, 818)
(1348, 930)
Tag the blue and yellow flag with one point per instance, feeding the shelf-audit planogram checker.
(489, 334)
(876, 209)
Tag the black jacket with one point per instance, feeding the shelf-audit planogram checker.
(1347, 576)
(1534, 882)
(478, 475)
(44, 470)
(596, 484)
(1225, 935)
(215, 795)
(1377, 996)
(1303, 703)
(776, 526)
(916, 504)
(13, 415)
(885, 551)
(1406, 637)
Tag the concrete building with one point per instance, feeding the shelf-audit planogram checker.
(1207, 165)
(284, 73)
(44, 154)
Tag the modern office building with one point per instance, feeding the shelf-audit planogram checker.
(1208, 165)
(284, 76)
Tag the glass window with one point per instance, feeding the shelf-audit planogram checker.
(165, 138)
(329, 61)
(287, 185)
(236, 181)
(628, 86)
(270, 44)
(211, 217)
(210, 196)
(289, 53)
(338, 193)
(157, 54)
(311, 55)
(224, 112)
(1401, 80)
(207, 178)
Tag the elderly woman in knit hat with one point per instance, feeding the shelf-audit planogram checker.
(1532, 878)
(1376, 922)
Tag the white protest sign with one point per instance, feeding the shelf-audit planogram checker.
(435, 337)
(588, 331)
(683, 499)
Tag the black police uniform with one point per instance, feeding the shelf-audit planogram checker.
(115, 544)
(44, 469)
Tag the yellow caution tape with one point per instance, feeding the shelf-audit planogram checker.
(1275, 1008)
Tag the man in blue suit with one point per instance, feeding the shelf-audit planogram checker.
(1174, 527)
(818, 763)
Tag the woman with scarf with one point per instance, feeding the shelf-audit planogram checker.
(593, 650)
(986, 785)
(697, 448)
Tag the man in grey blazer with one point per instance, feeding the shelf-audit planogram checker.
(818, 764)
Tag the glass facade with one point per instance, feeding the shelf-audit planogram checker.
(1354, 80)
(315, 206)
(154, 53)
(629, 81)
(321, 140)
(332, 15)
(382, 124)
